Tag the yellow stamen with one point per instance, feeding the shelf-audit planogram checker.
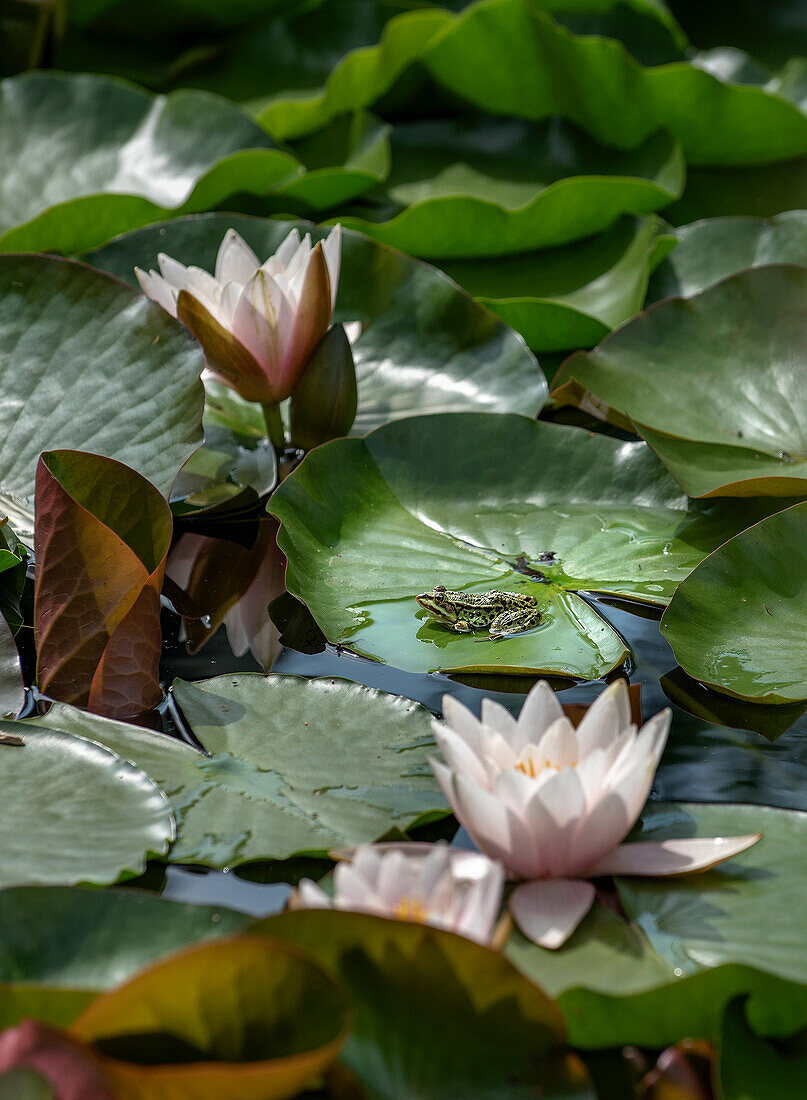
(411, 909)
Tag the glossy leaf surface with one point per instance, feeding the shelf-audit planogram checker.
(61, 945)
(243, 1017)
(571, 296)
(424, 344)
(76, 812)
(482, 503)
(86, 158)
(495, 186)
(694, 942)
(294, 767)
(537, 68)
(738, 621)
(127, 384)
(465, 1021)
(716, 383)
(710, 250)
(98, 640)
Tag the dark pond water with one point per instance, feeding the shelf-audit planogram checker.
(719, 750)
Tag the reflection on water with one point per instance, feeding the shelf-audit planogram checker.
(705, 760)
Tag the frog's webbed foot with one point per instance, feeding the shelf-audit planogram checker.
(461, 627)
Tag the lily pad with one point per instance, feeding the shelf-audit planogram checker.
(748, 1066)
(536, 68)
(483, 502)
(127, 384)
(87, 157)
(60, 946)
(342, 161)
(738, 622)
(715, 383)
(98, 638)
(76, 812)
(693, 943)
(242, 1017)
(709, 250)
(293, 766)
(468, 1022)
(574, 295)
(489, 187)
(424, 344)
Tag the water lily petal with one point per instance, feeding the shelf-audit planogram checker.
(558, 744)
(553, 816)
(235, 262)
(494, 828)
(158, 289)
(605, 719)
(288, 248)
(672, 857)
(498, 718)
(173, 271)
(479, 909)
(332, 249)
(548, 911)
(541, 708)
(310, 896)
(610, 821)
(459, 755)
(312, 318)
(261, 320)
(463, 722)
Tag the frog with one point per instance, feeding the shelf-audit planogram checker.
(463, 612)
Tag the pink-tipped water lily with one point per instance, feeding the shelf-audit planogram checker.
(430, 883)
(554, 804)
(258, 324)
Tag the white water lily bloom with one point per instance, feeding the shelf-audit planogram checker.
(554, 803)
(257, 323)
(427, 883)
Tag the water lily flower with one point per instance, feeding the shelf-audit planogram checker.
(258, 324)
(427, 883)
(554, 804)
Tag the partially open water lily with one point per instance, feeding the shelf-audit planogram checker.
(554, 803)
(431, 884)
(257, 323)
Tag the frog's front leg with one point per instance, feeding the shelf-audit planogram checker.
(461, 627)
(514, 622)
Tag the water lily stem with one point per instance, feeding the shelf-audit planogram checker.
(274, 426)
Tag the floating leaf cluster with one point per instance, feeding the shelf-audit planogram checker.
(480, 298)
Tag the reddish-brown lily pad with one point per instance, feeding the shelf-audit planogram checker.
(101, 539)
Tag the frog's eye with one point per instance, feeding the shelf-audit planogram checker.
(439, 590)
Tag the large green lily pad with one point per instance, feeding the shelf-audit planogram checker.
(86, 157)
(127, 384)
(692, 943)
(709, 250)
(481, 502)
(75, 811)
(738, 622)
(716, 383)
(59, 946)
(425, 345)
(494, 186)
(574, 295)
(293, 766)
(240, 1017)
(466, 1023)
(535, 67)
